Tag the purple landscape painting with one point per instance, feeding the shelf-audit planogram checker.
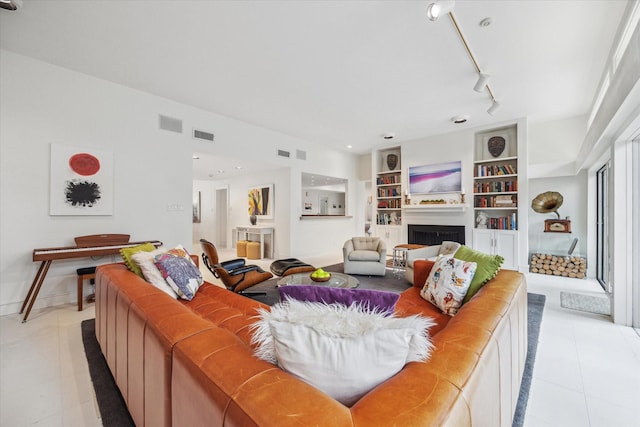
(437, 178)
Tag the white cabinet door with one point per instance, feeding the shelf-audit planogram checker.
(506, 245)
(391, 234)
(483, 240)
(498, 242)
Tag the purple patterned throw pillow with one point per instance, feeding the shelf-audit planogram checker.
(180, 273)
(382, 302)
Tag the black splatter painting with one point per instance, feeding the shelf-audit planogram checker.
(81, 193)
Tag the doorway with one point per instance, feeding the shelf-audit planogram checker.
(222, 208)
(324, 205)
(602, 231)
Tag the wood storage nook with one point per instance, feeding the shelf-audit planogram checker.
(558, 265)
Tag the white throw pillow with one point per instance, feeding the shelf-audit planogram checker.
(342, 351)
(146, 262)
(448, 283)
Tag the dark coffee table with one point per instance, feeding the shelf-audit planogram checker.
(337, 280)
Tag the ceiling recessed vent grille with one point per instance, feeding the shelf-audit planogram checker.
(170, 123)
(283, 153)
(301, 155)
(200, 134)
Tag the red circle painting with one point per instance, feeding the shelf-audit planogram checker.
(84, 164)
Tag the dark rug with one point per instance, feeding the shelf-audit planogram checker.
(535, 308)
(113, 408)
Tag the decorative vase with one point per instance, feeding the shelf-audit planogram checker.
(392, 161)
(253, 219)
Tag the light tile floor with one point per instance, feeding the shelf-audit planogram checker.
(587, 370)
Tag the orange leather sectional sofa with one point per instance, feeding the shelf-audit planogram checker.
(181, 363)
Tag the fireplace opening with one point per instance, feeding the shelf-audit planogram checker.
(435, 234)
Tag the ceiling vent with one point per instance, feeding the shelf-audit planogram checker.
(200, 134)
(283, 153)
(301, 155)
(170, 123)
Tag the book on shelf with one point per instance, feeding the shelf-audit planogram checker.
(388, 219)
(501, 201)
(388, 179)
(503, 223)
(494, 170)
(389, 192)
(495, 186)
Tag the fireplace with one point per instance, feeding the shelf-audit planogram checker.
(435, 234)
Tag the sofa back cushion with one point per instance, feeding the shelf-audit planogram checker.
(365, 243)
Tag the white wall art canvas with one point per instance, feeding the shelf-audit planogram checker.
(438, 178)
(81, 181)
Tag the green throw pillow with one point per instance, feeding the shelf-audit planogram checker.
(126, 254)
(488, 267)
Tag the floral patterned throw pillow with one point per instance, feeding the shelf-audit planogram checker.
(448, 283)
(180, 272)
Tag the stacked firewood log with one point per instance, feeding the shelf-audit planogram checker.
(567, 266)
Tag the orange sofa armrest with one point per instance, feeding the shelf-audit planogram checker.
(421, 270)
(195, 259)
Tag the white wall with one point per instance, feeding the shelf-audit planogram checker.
(335, 198)
(43, 104)
(556, 142)
(441, 149)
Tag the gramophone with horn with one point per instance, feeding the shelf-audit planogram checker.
(550, 202)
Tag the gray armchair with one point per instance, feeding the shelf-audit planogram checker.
(365, 255)
(428, 252)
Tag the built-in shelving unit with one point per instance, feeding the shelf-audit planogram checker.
(389, 187)
(495, 179)
(387, 194)
(495, 194)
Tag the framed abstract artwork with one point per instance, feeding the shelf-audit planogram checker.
(261, 201)
(81, 181)
(436, 178)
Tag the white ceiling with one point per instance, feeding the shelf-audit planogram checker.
(336, 73)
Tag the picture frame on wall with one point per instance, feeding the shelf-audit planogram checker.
(81, 181)
(261, 201)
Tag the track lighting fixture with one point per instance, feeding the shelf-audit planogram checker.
(482, 82)
(10, 4)
(495, 106)
(438, 8)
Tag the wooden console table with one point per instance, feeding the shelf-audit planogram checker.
(48, 255)
(260, 231)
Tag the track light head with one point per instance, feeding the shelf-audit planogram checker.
(10, 4)
(482, 82)
(438, 8)
(495, 106)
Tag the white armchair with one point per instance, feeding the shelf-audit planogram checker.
(428, 252)
(365, 255)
